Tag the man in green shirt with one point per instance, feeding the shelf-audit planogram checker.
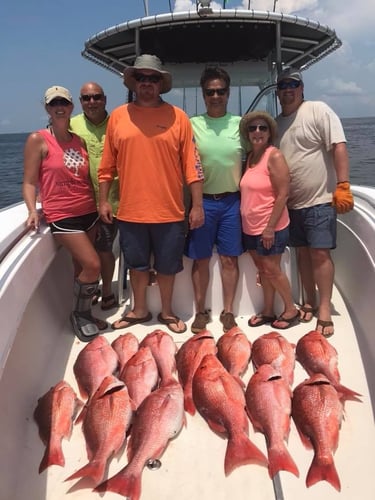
(218, 142)
(91, 126)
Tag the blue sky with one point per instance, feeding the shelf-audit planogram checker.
(41, 43)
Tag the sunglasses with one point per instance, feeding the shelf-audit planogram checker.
(142, 78)
(292, 84)
(88, 97)
(254, 128)
(59, 102)
(212, 92)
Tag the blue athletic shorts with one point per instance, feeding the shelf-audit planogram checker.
(164, 241)
(255, 243)
(105, 236)
(222, 227)
(70, 225)
(313, 227)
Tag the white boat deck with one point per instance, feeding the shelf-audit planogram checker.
(45, 349)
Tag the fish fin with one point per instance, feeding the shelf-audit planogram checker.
(323, 472)
(94, 470)
(347, 394)
(53, 455)
(238, 379)
(81, 417)
(241, 451)
(280, 459)
(189, 404)
(127, 485)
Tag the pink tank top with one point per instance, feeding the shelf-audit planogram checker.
(258, 198)
(65, 187)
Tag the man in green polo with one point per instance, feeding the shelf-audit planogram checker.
(91, 126)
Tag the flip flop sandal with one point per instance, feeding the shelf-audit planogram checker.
(307, 310)
(324, 325)
(100, 323)
(131, 321)
(108, 302)
(171, 321)
(263, 320)
(290, 322)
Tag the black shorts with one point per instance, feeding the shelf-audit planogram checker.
(70, 225)
(105, 236)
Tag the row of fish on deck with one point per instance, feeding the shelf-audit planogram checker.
(131, 390)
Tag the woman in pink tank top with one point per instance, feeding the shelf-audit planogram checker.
(56, 164)
(264, 192)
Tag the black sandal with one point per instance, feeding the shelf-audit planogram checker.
(109, 302)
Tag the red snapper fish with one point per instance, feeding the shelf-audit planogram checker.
(188, 358)
(317, 412)
(221, 401)
(158, 419)
(163, 349)
(125, 346)
(94, 362)
(140, 375)
(274, 349)
(269, 406)
(106, 421)
(54, 415)
(317, 355)
(234, 351)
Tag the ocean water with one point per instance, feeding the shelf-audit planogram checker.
(360, 134)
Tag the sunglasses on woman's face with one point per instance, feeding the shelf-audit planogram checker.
(254, 128)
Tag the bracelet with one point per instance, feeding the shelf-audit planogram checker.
(342, 182)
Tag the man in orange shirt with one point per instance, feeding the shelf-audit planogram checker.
(150, 144)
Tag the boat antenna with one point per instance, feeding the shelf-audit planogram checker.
(145, 4)
(274, 5)
(170, 6)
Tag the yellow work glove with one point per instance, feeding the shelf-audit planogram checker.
(343, 198)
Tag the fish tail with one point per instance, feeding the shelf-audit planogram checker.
(123, 483)
(94, 470)
(53, 455)
(347, 394)
(323, 472)
(280, 459)
(241, 451)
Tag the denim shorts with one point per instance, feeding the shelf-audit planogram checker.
(222, 227)
(70, 225)
(165, 242)
(105, 236)
(313, 227)
(255, 243)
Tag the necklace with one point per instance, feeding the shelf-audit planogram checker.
(67, 137)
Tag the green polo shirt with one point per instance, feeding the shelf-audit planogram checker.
(94, 136)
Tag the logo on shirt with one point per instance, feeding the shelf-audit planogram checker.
(73, 160)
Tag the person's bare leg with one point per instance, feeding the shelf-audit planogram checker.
(166, 284)
(305, 268)
(267, 288)
(200, 275)
(139, 282)
(281, 284)
(229, 280)
(107, 268)
(324, 271)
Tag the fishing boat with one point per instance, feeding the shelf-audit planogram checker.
(38, 348)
